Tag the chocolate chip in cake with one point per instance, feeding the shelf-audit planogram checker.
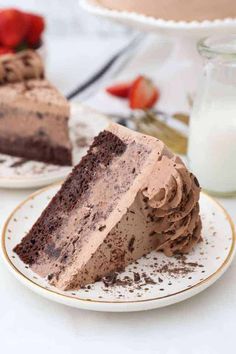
(131, 244)
(101, 228)
(39, 115)
(50, 276)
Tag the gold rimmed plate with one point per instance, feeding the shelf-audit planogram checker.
(16, 172)
(154, 281)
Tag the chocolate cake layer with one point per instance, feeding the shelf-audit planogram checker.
(128, 196)
(36, 148)
(76, 188)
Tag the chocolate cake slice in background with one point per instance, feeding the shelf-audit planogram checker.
(128, 196)
(33, 114)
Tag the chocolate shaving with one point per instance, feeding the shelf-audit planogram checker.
(18, 163)
(136, 277)
(110, 279)
(149, 280)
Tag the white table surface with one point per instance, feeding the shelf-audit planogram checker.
(204, 324)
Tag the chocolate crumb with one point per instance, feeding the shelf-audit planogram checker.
(110, 279)
(19, 163)
(82, 141)
(192, 264)
(149, 280)
(136, 277)
(50, 276)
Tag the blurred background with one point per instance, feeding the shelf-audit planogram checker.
(76, 42)
(76, 45)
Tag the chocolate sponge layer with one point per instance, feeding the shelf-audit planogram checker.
(36, 148)
(104, 148)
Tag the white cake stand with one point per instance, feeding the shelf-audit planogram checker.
(151, 24)
(183, 64)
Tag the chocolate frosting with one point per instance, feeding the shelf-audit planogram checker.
(21, 66)
(173, 194)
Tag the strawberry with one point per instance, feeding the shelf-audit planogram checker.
(13, 27)
(143, 94)
(120, 90)
(35, 29)
(5, 50)
(155, 98)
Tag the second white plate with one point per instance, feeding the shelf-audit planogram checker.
(16, 172)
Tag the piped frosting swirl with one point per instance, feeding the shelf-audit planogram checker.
(172, 194)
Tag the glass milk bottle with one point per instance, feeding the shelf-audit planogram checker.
(212, 140)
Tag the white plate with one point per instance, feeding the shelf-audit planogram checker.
(148, 23)
(174, 279)
(16, 172)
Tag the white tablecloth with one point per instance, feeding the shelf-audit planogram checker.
(204, 324)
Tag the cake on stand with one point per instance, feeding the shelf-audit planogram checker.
(183, 64)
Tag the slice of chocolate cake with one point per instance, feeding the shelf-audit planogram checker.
(128, 196)
(33, 114)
